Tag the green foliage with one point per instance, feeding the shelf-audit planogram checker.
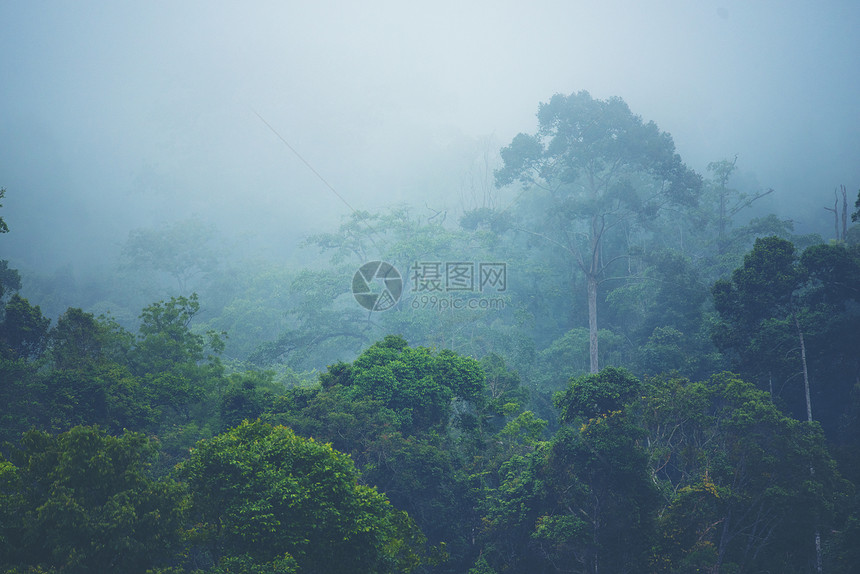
(525, 428)
(415, 383)
(568, 356)
(420, 476)
(764, 283)
(590, 396)
(22, 399)
(735, 476)
(248, 302)
(165, 337)
(263, 494)
(400, 411)
(771, 300)
(333, 415)
(10, 279)
(844, 548)
(481, 567)
(724, 483)
(24, 330)
(585, 499)
(833, 275)
(316, 320)
(178, 365)
(246, 397)
(597, 174)
(504, 395)
(81, 502)
(592, 137)
(246, 564)
(77, 340)
(426, 459)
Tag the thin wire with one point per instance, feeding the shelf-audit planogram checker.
(304, 161)
(321, 178)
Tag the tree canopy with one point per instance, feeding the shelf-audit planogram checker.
(600, 169)
(485, 422)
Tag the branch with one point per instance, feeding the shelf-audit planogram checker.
(610, 262)
(749, 202)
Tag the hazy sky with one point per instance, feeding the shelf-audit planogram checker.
(119, 115)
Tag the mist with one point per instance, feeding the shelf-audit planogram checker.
(117, 117)
(264, 308)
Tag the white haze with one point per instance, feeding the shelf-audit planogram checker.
(121, 115)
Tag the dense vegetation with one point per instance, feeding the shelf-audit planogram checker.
(663, 382)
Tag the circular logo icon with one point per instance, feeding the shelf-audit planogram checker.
(377, 286)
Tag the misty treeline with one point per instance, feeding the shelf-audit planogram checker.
(666, 381)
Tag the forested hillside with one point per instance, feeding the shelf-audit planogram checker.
(604, 362)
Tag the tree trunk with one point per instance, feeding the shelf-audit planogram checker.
(805, 371)
(721, 241)
(592, 271)
(818, 560)
(592, 322)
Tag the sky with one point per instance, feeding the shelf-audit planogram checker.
(115, 116)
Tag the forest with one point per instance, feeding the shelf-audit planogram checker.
(604, 362)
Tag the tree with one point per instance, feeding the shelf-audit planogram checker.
(266, 497)
(600, 169)
(840, 234)
(76, 340)
(591, 396)
(756, 302)
(246, 397)
(181, 250)
(416, 384)
(177, 364)
(412, 418)
(584, 501)
(81, 501)
(3, 227)
(782, 316)
(10, 279)
(730, 202)
(733, 472)
(856, 215)
(23, 331)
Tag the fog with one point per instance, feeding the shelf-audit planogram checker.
(119, 116)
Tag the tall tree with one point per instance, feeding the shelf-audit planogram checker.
(729, 201)
(601, 170)
(773, 302)
(780, 315)
(838, 215)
